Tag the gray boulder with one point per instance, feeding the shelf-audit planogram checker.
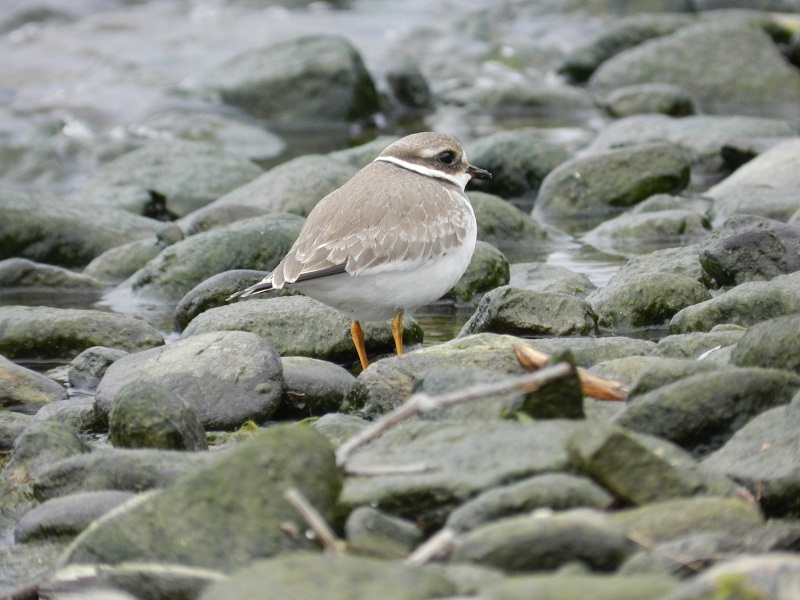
(554, 279)
(38, 447)
(488, 268)
(744, 305)
(312, 79)
(702, 137)
(762, 456)
(187, 174)
(35, 332)
(24, 389)
(750, 248)
(237, 501)
(257, 243)
(764, 79)
(312, 388)
(228, 377)
(44, 228)
(701, 412)
(292, 187)
(87, 369)
(517, 311)
(299, 326)
(771, 344)
(144, 415)
(517, 160)
(610, 181)
(765, 186)
(335, 578)
(650, 98)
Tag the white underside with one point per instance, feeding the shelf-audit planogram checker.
(378, 296)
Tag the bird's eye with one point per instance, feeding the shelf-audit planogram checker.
(446, 157)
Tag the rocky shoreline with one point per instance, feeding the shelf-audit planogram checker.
(152, 428)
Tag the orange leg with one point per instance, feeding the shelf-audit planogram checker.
(397, 331)
(358, 341)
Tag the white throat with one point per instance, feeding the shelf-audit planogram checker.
(460, 179)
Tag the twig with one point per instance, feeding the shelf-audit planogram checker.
(422, 403)
(439, 544)
(314, 520)
(593, 385)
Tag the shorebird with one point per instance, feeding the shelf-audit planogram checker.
(396, 236)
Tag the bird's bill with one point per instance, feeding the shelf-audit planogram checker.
(476, 173)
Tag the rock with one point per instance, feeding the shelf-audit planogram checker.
(227, 377)
(750, 248)
(632, 299)
(237, 501)
(38, 446)
(764, 186)
(76, 413)
(622, 34)
(156, 580)
(770, 344)
(312, 388)
(552, 279)
(33, 277)
(764, 81)
(87, 369)
(123, 470)
(43, 228)
(26, 390)
(505, 226)
(488, 268)
(761, 456)
(769, 576)
(389, 382)
(409, 91)
(188, 174)
(649, 98)
(516, 311)
(291, 187)
(371, 532)
(300, 326)
(744, 305)
(518, 161)
(144, 415)
(632, 232)
(543, 543)
(39, 332)
(556, 491)
(316, 79)
(338, 427)
(701, 137)
(696, 551)
(335, 578)
(461, 467)
(67, 516)
(673, 519)
(639, 468)
(215, 291)
(257, 243)
(363, 154)
(609, 181)
(695, 345)
(575, 586)
(118, 263)
(661, 371)
(701, 412)
(11, 427)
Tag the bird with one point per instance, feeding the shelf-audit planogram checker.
(398, 235)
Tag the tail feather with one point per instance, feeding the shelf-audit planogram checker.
(260, 287)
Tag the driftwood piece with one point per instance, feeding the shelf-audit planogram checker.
(593, 385)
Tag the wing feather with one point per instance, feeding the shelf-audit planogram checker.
(363, 226)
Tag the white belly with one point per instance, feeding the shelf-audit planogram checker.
(378, 296)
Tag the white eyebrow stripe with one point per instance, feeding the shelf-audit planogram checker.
(460, 182)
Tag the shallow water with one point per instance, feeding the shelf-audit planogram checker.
(119, 74)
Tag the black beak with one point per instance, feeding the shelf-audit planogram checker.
(477, 173)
